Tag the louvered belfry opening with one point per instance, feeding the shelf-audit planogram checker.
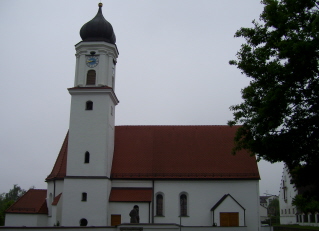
(91, 77)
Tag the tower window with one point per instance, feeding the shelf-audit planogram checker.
(183, 205)
(89, 105)
(87, 157)
(159, 205)
(91, 77)
(84, 196)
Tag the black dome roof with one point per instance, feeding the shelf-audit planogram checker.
(98, 29)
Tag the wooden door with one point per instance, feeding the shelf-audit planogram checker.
(229, 219)
(115, 219)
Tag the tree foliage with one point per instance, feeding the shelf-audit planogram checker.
(273, 208)
(306, 204)
(273, 212)
(280, 112)
(7, 199)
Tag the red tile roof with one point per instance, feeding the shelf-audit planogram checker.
(33, 201)
(175, 152)
(56, 199)
(131, 195)
(59, 169)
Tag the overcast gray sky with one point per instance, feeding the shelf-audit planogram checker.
(172, 70)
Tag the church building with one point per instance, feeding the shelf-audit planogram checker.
(177, 176)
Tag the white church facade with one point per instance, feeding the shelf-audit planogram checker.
(287, 192)
(289, 213)
(178, 176)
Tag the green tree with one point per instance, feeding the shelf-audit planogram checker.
(273, 211)
(273, 207)
(7, 199)
(280, 112)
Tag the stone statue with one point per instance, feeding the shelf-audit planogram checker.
(135, 218)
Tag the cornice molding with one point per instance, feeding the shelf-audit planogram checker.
(94, 90)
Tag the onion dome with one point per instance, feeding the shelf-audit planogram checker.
(98, 29)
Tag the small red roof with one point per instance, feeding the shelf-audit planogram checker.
(131, 195)
(33, 201)
(59, 169)
(56, 199)
(179, 152)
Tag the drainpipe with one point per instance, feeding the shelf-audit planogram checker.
(149, 212)
(152, 212)
(53, 189)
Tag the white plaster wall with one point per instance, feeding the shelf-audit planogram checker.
(229, 205)
(203, 195)
(25, 219)
(124, 208)
(56, 213)
(42, 220)
(287, 220)
(287, 210)
(54, 187)
(263, 213)
(132, 183)
(59, 187)
(59, 210)
(53, 219)
(95, 209)
(92, 131)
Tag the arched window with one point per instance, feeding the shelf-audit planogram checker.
(89, 105)
(159, 205)
(84, 196)
(83, 222)
(91, 77)
(87, 157)
(183, 205)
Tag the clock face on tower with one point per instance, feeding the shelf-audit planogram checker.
(92, 60)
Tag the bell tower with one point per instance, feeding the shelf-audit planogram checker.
(91, 131)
